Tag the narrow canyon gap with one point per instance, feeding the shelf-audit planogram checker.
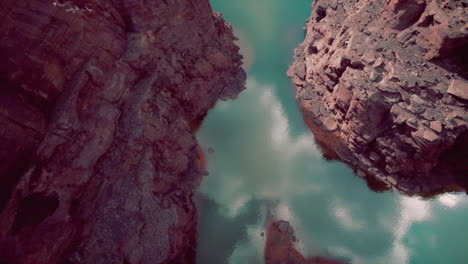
(265, 162)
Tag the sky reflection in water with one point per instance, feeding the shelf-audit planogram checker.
(266, 162)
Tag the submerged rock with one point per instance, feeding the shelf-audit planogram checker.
(389, 79)
(99, 101)
(280, 246)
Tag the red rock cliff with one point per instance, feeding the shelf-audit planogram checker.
(383, 86)
(98, 100)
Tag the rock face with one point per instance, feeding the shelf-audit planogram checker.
(99, 101)
(383, 86)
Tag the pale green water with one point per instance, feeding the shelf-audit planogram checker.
(266, 162)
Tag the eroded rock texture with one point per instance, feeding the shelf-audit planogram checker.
(383, 86)
(99, 100)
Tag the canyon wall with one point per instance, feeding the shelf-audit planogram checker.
(383, 86)
(99, 102)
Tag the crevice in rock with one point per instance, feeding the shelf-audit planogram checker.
(312, 49)
(453, 56)
(344, 63)
(410, 11)
(376, 185)
(12, 175)
(357, 65)
(428, 21)
(454, 161)
(33, 209)
(321, 13)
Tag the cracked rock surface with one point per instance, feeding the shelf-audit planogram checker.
(99, 101)
(383, 86)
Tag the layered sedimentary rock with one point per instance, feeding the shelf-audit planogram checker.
(99, 101)
(383, 86)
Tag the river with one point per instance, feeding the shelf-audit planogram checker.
(262, 162)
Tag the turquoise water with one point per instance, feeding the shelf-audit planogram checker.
(265, 163)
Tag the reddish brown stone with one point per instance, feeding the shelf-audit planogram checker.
(99, 101)
(382, 86)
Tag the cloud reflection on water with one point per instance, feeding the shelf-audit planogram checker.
(258, 168)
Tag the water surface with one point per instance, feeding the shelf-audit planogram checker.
(265, 163)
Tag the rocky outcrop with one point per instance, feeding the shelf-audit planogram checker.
(280, 247)
(383, 86)
(99, 101)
